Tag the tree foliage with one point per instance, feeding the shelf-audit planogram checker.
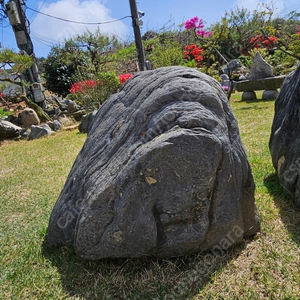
(86, 54)
(238, 33)
(12, 65)
(60, 67)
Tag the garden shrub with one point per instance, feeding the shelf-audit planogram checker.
(91, 93)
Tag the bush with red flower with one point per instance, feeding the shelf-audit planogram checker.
(124, 77)
(91, 93)
(261, 41)
(193, 52)
(82, 86)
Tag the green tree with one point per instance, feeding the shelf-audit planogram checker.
(12, 63)
(18, 64)
(98, 47)
(233, 33)
(84, 55)
(61, 66)
(90, 96)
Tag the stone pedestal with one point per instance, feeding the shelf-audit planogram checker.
(251, 95)
(269, 94)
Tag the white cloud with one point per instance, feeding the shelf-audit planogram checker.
(93, 11)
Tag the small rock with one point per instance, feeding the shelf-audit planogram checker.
(25, 133)
(29, 117)
(77, 115)
(64, 121)
(269, 94)
(70, 105)
(57, 125)
(248, 96)
(39, 131)
(9, 130)
(86, 122)
(50, 124)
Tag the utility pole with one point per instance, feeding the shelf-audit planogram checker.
(136, 22)
(20, 25)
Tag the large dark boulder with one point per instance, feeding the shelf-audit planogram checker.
(162, 173)
(285, 136)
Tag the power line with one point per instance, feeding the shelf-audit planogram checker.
(39, 11)
(42, 42)
(77, 22)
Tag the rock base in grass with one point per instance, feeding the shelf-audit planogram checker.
(285, 137)
(163, 173)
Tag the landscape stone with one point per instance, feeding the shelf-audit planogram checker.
(9, 130)
(162, 173)
(29, 117)
(86, 122)
(260, 69)
(64, 121)
(271, 83)
(248, 96)
(233, 65)
(57, 125)
(50, 124)
(69, 105)
(39, 131)
(25, 133)
(269, 94)
(285, 136)
(225, 80)
(77, 115)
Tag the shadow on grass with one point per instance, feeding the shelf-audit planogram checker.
(177, 278)
(258, 101)
(289, 214)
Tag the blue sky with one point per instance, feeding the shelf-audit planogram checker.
(46, 32)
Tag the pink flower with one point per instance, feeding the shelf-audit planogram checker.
(198, 25)
(193, 23)
(204, 33)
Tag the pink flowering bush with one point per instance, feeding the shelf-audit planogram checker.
(198, 25)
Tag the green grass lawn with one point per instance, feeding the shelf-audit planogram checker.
(32, 174)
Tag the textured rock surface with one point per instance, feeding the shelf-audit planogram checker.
(162, 173)
(37, 132)
(260, 68)
(8, 130)
(285, 136)
(86, 122)
(56, 125)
